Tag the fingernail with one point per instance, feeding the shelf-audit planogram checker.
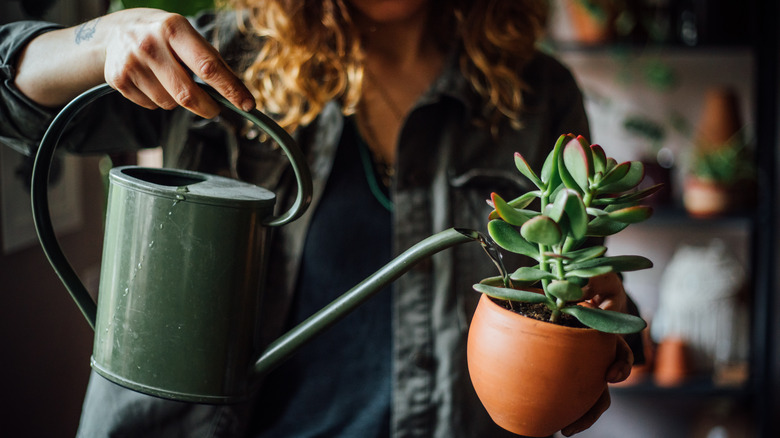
(613, 376)
(248, 105)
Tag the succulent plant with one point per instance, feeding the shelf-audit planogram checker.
(582, 193)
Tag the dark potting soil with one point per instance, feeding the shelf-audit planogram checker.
(539, 312)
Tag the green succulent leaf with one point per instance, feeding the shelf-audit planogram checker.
(510, 214)
(579, 163)
(630, 197)
(589, 272)
(565, 290)
(624, 263)
(577, 215)
(636, 172)
(588, 253)
(542, 230)
(616, 174)
(602, 226)
(550, 173)
(525, 199)
(525, 169)
(507, 237)
(599, 159)
(556, 209)
(607, 321)
(504, 293)
(529, 274)
(611, 163)
(631, 215)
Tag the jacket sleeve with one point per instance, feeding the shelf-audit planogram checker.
(110, 124)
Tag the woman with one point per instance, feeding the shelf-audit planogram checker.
(408, 111)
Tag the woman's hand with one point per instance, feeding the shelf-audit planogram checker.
(146, 54)
(606, 292)
(149, 59)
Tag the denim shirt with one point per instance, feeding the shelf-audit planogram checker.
(446, 167)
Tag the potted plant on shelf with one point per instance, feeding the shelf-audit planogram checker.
(538, 357)
(720, 179)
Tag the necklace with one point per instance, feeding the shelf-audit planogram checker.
(384, 169)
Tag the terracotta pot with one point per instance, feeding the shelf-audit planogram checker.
(720, 118)
(672, 364)
(533, 377)
(704, 198)
(589, 28)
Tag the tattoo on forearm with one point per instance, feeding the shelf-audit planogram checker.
(86, 31)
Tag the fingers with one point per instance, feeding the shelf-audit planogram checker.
(590, 417)
(606, 292)
(203, 60)
(624, 360)
(148, 63)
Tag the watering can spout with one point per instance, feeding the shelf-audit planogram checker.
(286, 345)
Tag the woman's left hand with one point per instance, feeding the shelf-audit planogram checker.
(606, 292)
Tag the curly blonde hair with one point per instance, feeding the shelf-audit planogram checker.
(312, 52)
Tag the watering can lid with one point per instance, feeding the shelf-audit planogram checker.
(184, 185)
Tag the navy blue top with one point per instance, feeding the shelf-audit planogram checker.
(338, 384)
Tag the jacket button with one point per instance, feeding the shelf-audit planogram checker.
(422, 360)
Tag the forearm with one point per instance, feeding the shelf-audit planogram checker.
(56, 66)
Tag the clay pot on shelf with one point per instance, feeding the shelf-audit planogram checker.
(672, 363)
(705, 198)
(593, 22)
(534, 377)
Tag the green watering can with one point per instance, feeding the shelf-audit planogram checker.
(181, 276)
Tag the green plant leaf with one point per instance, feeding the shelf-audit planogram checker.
(577, 215)
(504, 293)
(542, 230)
(607, 321)
(579, 281)
(507, 237)
(615, 175)
(525, 169)
(611, 163)
(529, 274)
(635, 175)
(579, 164)
(525, 199)
(589, 272)
(599, 159)
(508, 213)
(631, 215)
(184, 7)
(550, 173)
(588, 253)
(553, 255)
(630, 197)
(565, 290)
(555, 210)
(622, 263)
(602, 226)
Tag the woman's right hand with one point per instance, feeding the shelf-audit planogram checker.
(148, 55)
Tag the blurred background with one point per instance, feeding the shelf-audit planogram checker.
(689, 87)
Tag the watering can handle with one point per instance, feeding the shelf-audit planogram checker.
(40, 178)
